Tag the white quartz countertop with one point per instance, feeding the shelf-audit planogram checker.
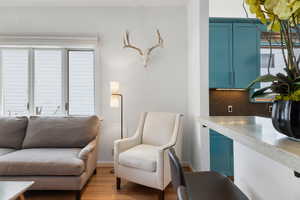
(258, 134)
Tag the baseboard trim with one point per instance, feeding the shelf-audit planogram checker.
(186, 164)
(111, 164)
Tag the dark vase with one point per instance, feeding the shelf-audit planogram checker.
(286, 118)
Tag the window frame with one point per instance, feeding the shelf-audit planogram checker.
(65, 78)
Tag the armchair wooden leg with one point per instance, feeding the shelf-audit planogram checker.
(162, 195)
(118, 182)
(78, 195)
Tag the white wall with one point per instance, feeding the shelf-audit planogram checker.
(198, 101)
(229, 8)
(161, 87)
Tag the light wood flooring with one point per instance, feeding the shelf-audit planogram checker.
(102, 187)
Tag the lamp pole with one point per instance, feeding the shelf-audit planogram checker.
(121, 97)
(122, 136)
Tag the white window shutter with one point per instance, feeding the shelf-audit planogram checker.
(81, 82)
(48, 81)
(15, 81)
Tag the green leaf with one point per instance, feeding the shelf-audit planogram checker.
(264, 78)
(261, 92)
(297, 79)
(283, 77)
(280, 88)
(296, 83)
(289, 73)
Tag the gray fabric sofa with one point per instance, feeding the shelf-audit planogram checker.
(57, 153)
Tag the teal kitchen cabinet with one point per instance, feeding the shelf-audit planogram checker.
(234, 53)
(220, 55)
(221, 153)
(246, 51)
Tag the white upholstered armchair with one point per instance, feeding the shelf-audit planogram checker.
(143, 158)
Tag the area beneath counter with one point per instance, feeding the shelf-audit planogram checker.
(258, 134)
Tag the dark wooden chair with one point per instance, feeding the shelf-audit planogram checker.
(182, 193)
(202, 185)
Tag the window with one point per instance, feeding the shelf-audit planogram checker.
(15, 81)
(81, 83)
(46, 81)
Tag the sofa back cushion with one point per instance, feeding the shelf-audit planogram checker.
(60, 132)
(12, 131)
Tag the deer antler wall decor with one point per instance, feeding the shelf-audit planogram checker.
(145, 54)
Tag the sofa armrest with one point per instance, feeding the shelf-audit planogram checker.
(84, 153)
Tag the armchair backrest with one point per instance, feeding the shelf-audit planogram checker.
(159, 128)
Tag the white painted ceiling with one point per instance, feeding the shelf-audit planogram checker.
(89, 3)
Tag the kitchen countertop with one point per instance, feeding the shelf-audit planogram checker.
(258, 134)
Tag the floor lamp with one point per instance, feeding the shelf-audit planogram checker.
(116, 101)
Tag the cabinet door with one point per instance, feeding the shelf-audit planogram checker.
(246, 54)
(221, 154)
(220, 55)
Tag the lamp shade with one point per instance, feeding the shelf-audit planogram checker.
(114, 101)
(114, 87)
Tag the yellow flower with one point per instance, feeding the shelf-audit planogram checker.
(294, 5)
(271, 12)
(270, 5)
(283, 10)
(255, 8)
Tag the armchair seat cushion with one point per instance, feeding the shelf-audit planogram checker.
(143, 157)
(4, 151)
(42, 162)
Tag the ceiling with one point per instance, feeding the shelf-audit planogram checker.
(89, 3)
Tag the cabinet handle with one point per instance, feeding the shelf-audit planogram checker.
(230, 79)
(233, 79)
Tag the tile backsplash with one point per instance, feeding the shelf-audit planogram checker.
(235, 103)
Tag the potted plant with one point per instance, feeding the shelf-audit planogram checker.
(282, 17)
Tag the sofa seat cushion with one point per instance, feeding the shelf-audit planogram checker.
(143, 157)
(42, 162)
(4, 151)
